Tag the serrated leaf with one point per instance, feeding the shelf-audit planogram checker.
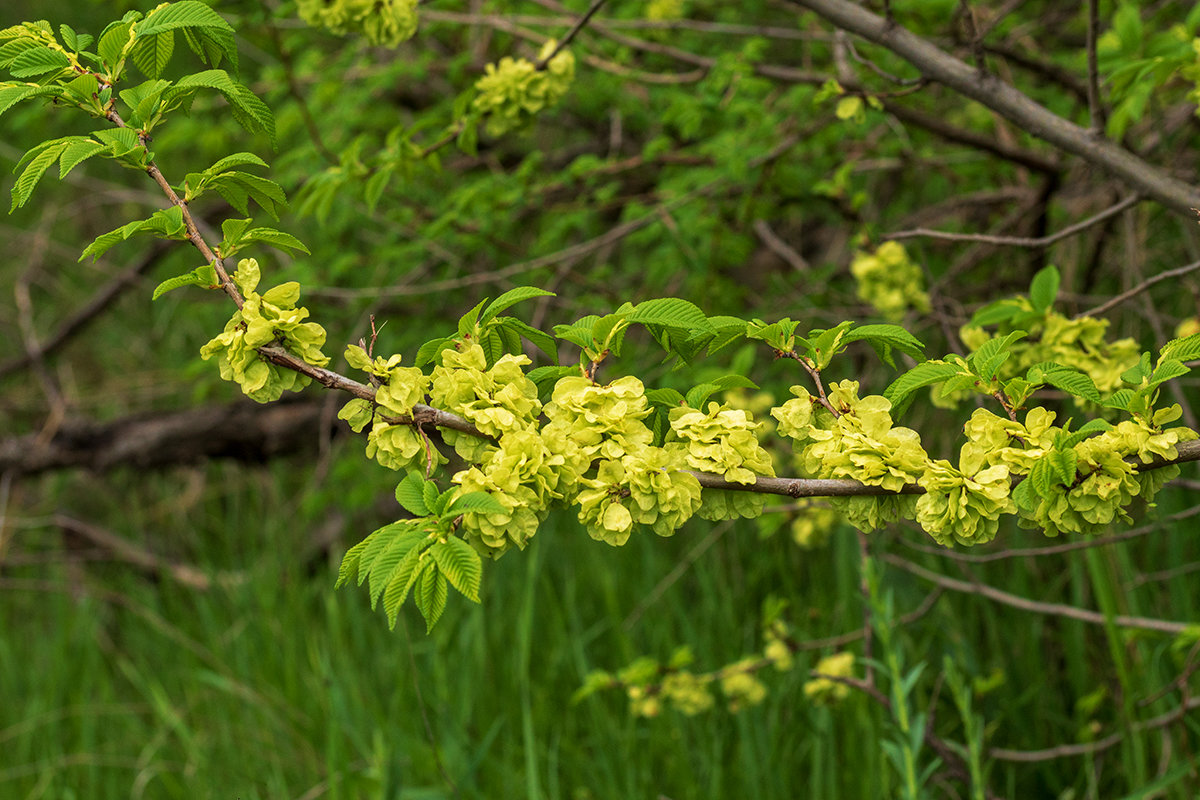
(1185, 349)
(429, 351)
(461, 565)
(548, 376)
(992, 354)
(1139, 371)
(201, 276)
(1062, 465)
(410, 494)
(1074, 383)
(152, 53)
(468, 321)
(12, 95)
(431, 598)
(431, 496)
(206, 29)
(700, 393)
(538, 338)
(277, 239)
(1167, 369)
(406, 574)
(76, 153)
(112, 43)
(384, 567)
(1119, 399)
(995, 313)
(348, 571)
(892, 335)
(670, 312)
(577, 334)
(924, 374)
(34, 170)
(38, 61)
(1024, 496)
(1043, 477)
(69, 36)
(667, 398)
(235, 160)
(511, 298)
(479, 502)
(376, 543)
(1044, 288)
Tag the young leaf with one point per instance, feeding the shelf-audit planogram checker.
(992, 354)
(670, 312)
(204, 276)
(406, 574)
(383, 568)
(461, 565)
(1044, 288)
(152, 53)
(429, 351)
(410, 494)
(348, 571)
(924, 374)
(480, 502)
(431, 597)
(1062, 465)
(468, 321)
(539, 339)
(206, 25)
(511, 298)
(431, 496)
(38, 61)
(235, 160)
(1167, 369)
(893, 336)
(1072, 382)
(545, 377)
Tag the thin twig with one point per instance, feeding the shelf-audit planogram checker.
(1178, 272)
(1019, 241)
(1095, 110)
(1037, 606)
(571, 34)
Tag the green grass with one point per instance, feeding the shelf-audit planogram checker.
(275, 686)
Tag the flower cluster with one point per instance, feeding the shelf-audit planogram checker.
(513, 90)
(383, 22)
(824, 689)
(890, 281)
(271, 318)
(721, 440)
(498, 400)
(392, 441)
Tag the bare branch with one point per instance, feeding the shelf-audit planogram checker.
(1020, 241)
(1009, 103)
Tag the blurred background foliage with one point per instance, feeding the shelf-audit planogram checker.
(702, 161)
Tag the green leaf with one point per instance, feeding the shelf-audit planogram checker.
(480, 502)
(538, 338)
(1185, 349)
(995, 313)
(76, 153)
(406, 574)
(1062, 465)
(112, 44)
(430, 350)
(1024, 496)
(385, 565)
(277, 239)
(410, 494)
(667, 398)
(1167, 369)
(461, 565)
(1068, 380)
(431, 496)
(511, 298)
(1044, 288)
(348, 571)
(992, 354)
(431, 597)
(924, 374)
(207, 26)
(893, 336)
(1043, 477)
(543, 377)
(1140, 371)
(235, 160)
(152, 53)
(700, 393)
(35, 169)
(670, 312)
(12, 95)
(204, 276)
(38, 61)
(1119, 399)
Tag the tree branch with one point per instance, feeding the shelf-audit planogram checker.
(1009, 103)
